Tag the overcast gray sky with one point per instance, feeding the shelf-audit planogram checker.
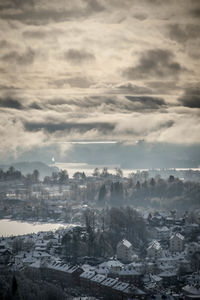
(98, 70)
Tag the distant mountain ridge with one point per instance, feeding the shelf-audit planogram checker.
(28, 167)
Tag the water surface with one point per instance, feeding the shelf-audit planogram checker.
(10, 227)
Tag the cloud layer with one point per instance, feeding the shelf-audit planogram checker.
(98, 70)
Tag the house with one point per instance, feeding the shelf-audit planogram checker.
(130, 275)
(57, 271)
(107, 285)
(85, 279)
(191, 292)
(150, 280)
(176, 242)
(168, 278)
(118, 290)
(113, 267)
(162, 233)
(156, 220)
(6, 257)
(124, 251)
(150, 267)
(193, 279)
(137, 266)
(96, 283)
(154, 250)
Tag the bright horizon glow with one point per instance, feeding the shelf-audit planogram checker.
(91, 142)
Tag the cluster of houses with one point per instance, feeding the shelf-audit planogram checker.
(170, 267)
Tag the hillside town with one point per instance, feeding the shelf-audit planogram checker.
(163, 262)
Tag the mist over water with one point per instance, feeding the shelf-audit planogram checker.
(89, 168)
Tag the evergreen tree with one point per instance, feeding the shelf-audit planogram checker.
(14, 285)
(102, 193)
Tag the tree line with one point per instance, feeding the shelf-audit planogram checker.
(102, 232)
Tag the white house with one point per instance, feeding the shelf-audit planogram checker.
(124, 251)
(154, 250)
(176, 242)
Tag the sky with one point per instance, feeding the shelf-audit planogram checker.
(86, 71)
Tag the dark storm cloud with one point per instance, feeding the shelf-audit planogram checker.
(130, 88)
(182, 33)
(191, 98)
(154, 63)
(19, 3)
(35, 105)
(25, 58)
(148, 102)
(195, 8)
(90, 102)
(94, 6)
(78, 56)
(163, 87)
(10, 103)
(42, 17)
(70, 126)
(108, 104)
(32, 13)
(141, 17)
(4, 44)
(195, 12)
(10, 4)
(167, 124)
(34, 34)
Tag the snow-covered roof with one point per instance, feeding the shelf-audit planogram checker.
(36, 264)
(155, 278)
(167, 274)
(163, 229)
(98, 278)
(3, 244)
(87, 267)
(111, 263)
(135, 265)
(28, 260)
(59, 266)
(189, 289)
(154, 244)
(126, 243)
(102, 271)
(109, 281)
(177, 235)
(120, 286)
(87, 274)
(127, 272)
(72, 269)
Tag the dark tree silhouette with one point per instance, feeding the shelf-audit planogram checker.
(102, 193)
(14, 285)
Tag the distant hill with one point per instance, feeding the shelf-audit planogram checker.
(28, 167)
